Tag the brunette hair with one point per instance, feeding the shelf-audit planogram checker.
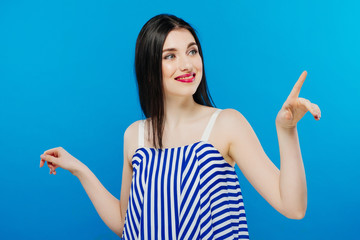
(148, 68)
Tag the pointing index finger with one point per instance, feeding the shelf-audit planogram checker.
(296, 89)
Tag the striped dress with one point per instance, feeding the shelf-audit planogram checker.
(187, 192)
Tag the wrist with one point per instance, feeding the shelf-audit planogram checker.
(288, 129)
(79, 170)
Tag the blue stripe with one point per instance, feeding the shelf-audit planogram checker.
(187, 193)
(225, 211)
(193, 214)
(216, 185)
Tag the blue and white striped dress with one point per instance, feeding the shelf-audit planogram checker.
(187, 192)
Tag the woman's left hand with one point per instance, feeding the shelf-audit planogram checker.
(295, 108)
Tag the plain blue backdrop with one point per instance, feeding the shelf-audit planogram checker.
(67, 79)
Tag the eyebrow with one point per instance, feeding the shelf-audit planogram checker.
(174, 49)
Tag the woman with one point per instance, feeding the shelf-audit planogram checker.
(178, 175)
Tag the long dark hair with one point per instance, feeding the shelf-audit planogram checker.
(148, 68)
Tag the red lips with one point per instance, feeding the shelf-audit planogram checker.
(185, 75)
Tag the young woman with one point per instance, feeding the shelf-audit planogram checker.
(178, 176)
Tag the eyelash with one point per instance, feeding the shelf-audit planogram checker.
(194, 50)
(173, 55)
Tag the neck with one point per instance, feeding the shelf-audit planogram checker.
(178, 110)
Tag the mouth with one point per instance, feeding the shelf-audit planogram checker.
(187, 78)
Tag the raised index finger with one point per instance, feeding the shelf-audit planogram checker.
(296, 89)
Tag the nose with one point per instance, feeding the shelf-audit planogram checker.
(185, 64)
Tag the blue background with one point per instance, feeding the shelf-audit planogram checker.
(67, 79)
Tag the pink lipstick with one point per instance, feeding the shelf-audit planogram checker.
(186, 78)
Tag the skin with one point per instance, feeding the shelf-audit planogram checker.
(232, 135)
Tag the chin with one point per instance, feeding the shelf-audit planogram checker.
(182, 92)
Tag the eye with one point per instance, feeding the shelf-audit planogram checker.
(169, 56)
(193, 52)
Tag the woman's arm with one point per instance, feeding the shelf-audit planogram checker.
(107, 206)
(110, 209)
(286, 189)
(247, 152)
(293, 190)
(273, 185)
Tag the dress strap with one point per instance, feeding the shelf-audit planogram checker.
(141, 133)
(210, 125)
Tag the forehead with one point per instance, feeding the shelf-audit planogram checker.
(178, 38)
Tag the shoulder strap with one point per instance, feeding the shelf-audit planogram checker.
(210, 125)
(141, 133)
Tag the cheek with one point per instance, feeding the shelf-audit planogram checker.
(199, 67)
(198, 64)
(168, 69)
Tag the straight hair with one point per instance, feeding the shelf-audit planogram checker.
(148, 68)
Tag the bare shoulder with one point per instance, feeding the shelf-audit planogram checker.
(131, 140)
(231, 130)
(229, 124)
(131, 131)
(231, 118)
(232, 125)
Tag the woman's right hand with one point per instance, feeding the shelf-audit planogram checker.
(59, 157)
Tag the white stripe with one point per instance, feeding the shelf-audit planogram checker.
(206, 156)
(172, 193)
(179, 178)
(223, 232)
(129, 217)
(197, 181)
(145, 168)
(187, 201)
(224, 191)
(146, 197)
(166, 195)
(218, 169)
(188, 165)
(190, 229)
(206, 187)
(160, 192)
(152, 203)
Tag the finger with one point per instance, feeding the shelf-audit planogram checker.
(53, 151)
(316, 111)
(50, 167)
(48, 158)
(296, 89)
(42, 162)
(311, 107)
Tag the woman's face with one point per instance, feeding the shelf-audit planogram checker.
(181, 64)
